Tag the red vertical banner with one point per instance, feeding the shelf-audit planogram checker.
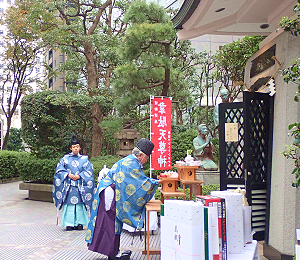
(161, 133)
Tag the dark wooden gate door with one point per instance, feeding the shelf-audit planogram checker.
(231, 153)
(247, 162)
(258, 156)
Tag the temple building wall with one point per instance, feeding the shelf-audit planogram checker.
(284, 201)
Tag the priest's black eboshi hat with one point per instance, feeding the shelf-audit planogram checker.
(145, 146)
(74, 140)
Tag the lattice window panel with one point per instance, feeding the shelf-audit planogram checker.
(235, 150)
(258, 139)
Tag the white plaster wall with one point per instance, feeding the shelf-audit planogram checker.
(285, 203)
(286, 111)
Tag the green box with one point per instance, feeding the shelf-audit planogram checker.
(162, 209)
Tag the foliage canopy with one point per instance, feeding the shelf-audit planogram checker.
(231, 60)
(50, 118)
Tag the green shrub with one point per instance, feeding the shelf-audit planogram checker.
(49, 118)
(37, 170)
(181, 142)
(42, 170)
(215, 142)
(8, 160)
(99, 162)
(15, 142)
(206, 189)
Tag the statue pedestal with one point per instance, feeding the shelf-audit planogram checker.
(209, 177)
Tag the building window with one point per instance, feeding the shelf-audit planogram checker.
(50, 54)
(1, 44)
(50, 83)
(61, 59)
(1, 32)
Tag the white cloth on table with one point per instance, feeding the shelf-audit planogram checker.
(152, 223)
(250, 253)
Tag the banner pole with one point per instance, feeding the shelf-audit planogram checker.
(151, 98)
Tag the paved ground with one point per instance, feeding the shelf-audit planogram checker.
(29, 231)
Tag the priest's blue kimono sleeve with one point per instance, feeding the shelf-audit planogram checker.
(60, 183)
(87, 186)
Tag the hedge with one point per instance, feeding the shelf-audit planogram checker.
(8, 160)
(99, 162)
(32, 169)
(37, 170)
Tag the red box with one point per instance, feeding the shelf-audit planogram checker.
(209, 201)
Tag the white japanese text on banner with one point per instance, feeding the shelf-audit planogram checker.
(162, 133)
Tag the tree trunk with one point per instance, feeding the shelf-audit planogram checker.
(109, 24)
(107, 78)
(5, 141)
(97, 137)
(166, 84)
(93, 81)
(179, 120)
(206, 114)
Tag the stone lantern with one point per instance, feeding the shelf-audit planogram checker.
(126, 137)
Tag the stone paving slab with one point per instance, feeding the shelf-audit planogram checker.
(29, 231)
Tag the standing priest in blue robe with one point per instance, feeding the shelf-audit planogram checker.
(120, 198)
(73, 188)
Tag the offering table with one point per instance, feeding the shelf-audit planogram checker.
(152, 205)
(190, 182)
(168, 194)
(187, 176)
